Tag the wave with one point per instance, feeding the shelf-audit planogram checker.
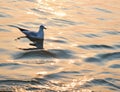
(103, 10)
(4, 15)
(99, 58)
(4, 30)
(115, 66)
(41, 84)
(41, 54)
(101, 82)
(96, 47)
(112, 32)
(57, 41)
(91, 35)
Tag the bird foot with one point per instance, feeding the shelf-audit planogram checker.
(20, 38)
(33, 44)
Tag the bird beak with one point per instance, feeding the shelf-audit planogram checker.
(45, 28)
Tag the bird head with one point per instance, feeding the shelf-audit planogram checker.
(42, 27)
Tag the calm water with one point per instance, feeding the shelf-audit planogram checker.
(82, 46)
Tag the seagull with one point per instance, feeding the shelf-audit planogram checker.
(37, 38)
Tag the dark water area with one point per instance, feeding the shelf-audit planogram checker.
(81, 46)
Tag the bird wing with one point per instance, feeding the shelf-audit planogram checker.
(25, 31)
(30, 35)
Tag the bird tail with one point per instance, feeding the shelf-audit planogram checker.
(21, 29)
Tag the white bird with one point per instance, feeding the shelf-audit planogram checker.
(36, 37)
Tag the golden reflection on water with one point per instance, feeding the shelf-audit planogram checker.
(71, 24)
(51, 7)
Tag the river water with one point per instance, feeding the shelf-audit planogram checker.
(81, 49)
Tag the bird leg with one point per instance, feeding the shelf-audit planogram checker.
(20, 37)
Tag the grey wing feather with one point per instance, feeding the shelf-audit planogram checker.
(27, 32)
(32, 34)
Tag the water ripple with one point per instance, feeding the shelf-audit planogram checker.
(61, 22)
(115, 66)
(8, 64)
(51, 53)
(91, 35)
(101, 82)
(57, 41)
(4, 30)
(112, 32)
(2, 50)
(4, 15)
(31, 0)
(61, 74)
(38, 11)
(110, 56)
(103, 10)
(96, 47)
(99, 58)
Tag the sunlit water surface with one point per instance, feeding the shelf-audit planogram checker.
(82, 46)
